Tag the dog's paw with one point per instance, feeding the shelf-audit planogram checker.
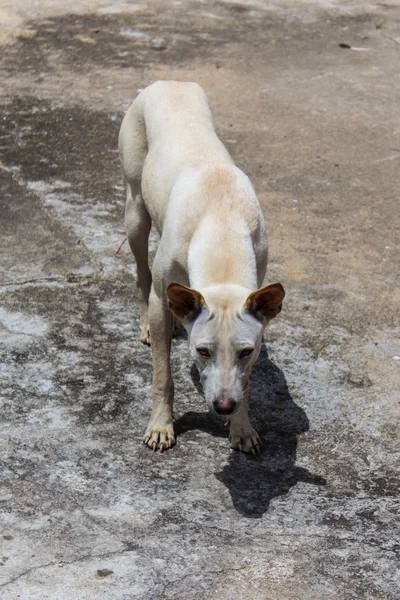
(245, 440)
(145, 335)
(159, 438)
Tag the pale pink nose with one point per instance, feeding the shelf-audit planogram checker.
(224, 406)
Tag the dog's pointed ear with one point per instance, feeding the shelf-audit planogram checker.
(184, 302)
(265, 303)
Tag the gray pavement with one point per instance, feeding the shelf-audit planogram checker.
(306, 97)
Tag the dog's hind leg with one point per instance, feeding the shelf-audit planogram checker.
(138, 225)
(132, 144)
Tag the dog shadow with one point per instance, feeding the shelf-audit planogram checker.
(253, 481)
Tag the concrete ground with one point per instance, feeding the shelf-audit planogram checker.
(306, 97)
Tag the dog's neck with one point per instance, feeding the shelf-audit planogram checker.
(221, 253)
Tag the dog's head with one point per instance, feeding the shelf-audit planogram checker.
(225, 324)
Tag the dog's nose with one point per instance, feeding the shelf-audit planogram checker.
(224, 406)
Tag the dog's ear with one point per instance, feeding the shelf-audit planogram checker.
(265, 303)
(184, 302)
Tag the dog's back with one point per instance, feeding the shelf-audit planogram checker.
(181, 178)
(167, 129)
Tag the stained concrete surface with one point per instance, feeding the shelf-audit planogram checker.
(86, 510)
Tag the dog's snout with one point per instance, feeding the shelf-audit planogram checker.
(224, 406)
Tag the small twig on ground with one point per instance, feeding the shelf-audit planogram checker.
(389, 37)
(120, 246)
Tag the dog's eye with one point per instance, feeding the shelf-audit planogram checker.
(204, 352)
(246, 353)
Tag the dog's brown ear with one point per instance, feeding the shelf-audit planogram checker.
(184, 302)
(266, 303)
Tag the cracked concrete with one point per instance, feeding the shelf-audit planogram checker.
(86, 510)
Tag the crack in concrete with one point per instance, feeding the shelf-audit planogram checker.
(289, 534)
(222, 571)
(60, 563)
(99, 524)
(227, 570)
(39, 281)
(67, 279)
(64, 562)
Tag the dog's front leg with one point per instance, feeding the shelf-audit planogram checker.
(160, 431)
(242, 434)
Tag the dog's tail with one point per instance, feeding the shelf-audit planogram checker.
(132, 141)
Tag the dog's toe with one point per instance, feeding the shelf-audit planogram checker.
(145, 337)
(159, 438)
(245, 441)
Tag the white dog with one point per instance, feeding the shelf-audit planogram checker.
(180, 176)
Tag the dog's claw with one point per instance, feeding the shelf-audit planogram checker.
(159, 437)
(145, 335)
(245, 440)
